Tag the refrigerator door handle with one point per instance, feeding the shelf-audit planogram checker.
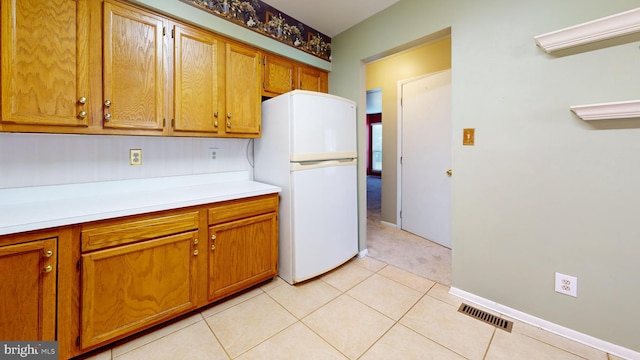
(307, 165)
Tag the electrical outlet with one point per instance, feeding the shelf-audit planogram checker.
(567, 285)
(135, 156)
(213, 154)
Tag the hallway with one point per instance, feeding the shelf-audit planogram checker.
(400, 248)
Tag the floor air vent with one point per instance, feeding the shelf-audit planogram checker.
(500, 323)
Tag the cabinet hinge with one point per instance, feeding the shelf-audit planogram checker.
(173, 33)
(164, 122)
(264, 60)
(79, 264)
(78, 341)
(400, 214)
(164, 30)
(173, 123)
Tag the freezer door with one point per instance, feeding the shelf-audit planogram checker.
(324, 218)
(322, 127)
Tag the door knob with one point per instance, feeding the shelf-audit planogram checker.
(449, 173)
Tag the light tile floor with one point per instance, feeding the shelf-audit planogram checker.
(365, 309)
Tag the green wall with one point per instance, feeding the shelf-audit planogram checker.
(541, 191)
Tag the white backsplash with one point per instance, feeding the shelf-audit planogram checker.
(48, 159)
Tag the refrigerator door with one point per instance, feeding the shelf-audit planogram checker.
(323, 126)
(324, 223)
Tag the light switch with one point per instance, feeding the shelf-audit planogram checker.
(468, 136)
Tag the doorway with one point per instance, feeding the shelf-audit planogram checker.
(385, 240)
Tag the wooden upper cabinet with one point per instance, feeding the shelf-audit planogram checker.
(197, 94)
(133, 60)
(278, 75)
(44, 62)
(312, 79)
(28, 287)
(243, 91)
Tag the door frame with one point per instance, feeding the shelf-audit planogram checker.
(401, 83)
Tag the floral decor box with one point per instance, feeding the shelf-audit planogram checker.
(261, 17)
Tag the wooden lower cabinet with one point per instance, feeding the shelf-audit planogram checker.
(131, 287)
(88, 285)
(243, 244)
(28, 290)
(242, 253)
(140, 271)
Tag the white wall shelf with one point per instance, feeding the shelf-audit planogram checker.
(608, 111)
(620, 24)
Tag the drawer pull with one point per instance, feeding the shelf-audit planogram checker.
(213, 236)
(213, 247)
(48, 253)
(195, 241)
(82, 114)
(82, 100)
(196, 252)
(48, 268)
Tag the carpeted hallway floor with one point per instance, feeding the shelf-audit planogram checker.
(400, 248)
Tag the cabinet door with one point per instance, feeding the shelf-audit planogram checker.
(132, 68)
(44, 62)
(132, 287)
(278, 75)
(28, 286)
(197, 99)
(244, 90)
(242, 253)
(313, 79)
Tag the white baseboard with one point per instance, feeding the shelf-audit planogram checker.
(548, 326)
(388, 224)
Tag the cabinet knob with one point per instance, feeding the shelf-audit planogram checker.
(213, 236)
(48, 253)
(82, 100)
(196, 252)
(107, 103)
(216, 114)
(229, 124)
(48, 268)
(82, 114)
(195, 241)
(213, 247)
(229, 115)
(215, 123)
(107, 117)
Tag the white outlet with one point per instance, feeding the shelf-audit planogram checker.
(566, 284)
(213, 154)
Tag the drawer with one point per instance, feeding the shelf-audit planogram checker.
(243, 208)
(109, 233)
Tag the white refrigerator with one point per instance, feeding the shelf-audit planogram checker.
(308, 148)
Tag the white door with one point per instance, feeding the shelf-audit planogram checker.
(426, 157)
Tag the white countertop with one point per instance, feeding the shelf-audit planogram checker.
(42, 207)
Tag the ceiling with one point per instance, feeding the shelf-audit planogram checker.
(330, 17)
